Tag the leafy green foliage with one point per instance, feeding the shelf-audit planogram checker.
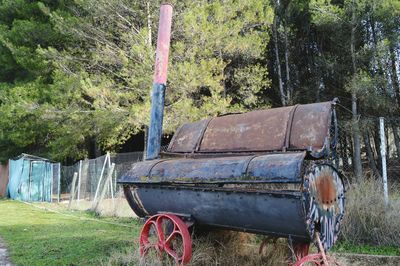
(214, 66)
(88, 65)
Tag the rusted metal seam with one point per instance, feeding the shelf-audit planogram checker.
(200, 139)
(138, 202)
(247, 163)
(292, 194)
(229, 153)
(129, 194)
(325, 150)
(171, 144)
(151, 168)
(228, 182)
(334, 142)
(289, 128)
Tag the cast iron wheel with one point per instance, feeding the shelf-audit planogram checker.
(166, 234)
(318, 259)
(315, 259)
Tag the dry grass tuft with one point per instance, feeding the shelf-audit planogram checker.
(367, 219)
(215, 248)
(219, 247)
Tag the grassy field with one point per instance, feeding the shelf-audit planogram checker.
(345, 247)
(48, 234)
(35, 236)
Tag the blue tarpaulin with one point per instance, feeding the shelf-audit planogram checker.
(30, 178)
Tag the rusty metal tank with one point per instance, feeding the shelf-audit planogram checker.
(268, 172)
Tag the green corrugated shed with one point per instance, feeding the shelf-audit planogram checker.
(30, 178)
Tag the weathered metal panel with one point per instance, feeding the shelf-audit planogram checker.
(156, 121)
(311, 125)
(300, 127)
(263, 130)
(277, 167)
(188, 136)
(277, 215)
(271, 168)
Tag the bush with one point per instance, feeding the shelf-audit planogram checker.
(367, 220)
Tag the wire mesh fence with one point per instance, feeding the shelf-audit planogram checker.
(92, 184)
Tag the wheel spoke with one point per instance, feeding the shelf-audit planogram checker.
(172, 236)
(160, 232)
(173, 254)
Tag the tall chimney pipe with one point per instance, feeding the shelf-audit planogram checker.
(159, 82)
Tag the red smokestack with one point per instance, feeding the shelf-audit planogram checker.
(163, 41)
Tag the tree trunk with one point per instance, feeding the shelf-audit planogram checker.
(370, 154)
(377, 140)
(277, 60)
(289, 93)
(149, 22)
(396, 139)
(395, 77)
(356, 130)
(344, 154)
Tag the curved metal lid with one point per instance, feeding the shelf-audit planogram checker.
(267, 168)
(299, 127)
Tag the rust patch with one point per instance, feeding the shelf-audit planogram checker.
(326, 189)
(311, 123)
(299, 127)
(254, 131)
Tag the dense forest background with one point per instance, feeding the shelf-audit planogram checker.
(75, 75)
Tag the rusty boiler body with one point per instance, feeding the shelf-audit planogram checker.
(267, 172)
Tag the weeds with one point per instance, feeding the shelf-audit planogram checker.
(215, 248)
(367, 219)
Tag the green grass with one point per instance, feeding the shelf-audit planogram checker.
(38, 237)
(346, 247)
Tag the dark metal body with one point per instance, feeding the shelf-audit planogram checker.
(238, 192)
(277, 214)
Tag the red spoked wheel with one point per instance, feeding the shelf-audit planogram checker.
(319, 259)
(166, 234)
(300, 250)
(316, 259)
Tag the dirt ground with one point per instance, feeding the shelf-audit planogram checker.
(4, 259)
(118, 207)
